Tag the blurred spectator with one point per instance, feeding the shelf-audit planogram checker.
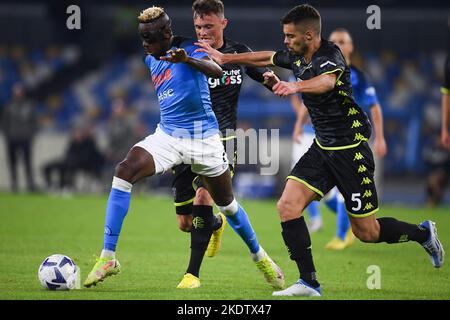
(82, 155)
(120, 132)
(19, 124)
(438, 159)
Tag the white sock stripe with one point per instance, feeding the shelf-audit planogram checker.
(108, 254)
(230, 209)
(121, 185)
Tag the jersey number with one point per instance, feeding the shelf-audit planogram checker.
(355, 198)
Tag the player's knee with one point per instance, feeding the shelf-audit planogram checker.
(287, 210)
(124, 170)
(365, 234)
(202, 197)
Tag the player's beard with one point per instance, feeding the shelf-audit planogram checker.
(302, 49)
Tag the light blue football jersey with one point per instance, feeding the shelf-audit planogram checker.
(183, 94)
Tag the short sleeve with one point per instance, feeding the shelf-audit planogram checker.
(328, 62)
(282, 59)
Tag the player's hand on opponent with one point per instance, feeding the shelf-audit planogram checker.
(175, 56)
(270, 78)
(284, 89)
(212, 53)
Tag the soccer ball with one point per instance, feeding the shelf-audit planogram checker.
(59, 272)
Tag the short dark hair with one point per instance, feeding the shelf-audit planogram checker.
(202, 7)
(304, 13)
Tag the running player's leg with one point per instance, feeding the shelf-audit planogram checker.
(220, 189)
(309, 180)
(138, 164)
(391, 230)
(150, 156)
(356, 183)
(202, 230)
(184, 194)
(296, 196)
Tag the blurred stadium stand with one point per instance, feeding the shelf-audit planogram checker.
(73, 75)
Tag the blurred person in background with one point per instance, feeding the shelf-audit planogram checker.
(19, 124)
(82, 155)
(438, 160)
(121, 132)
(437, 155)
(366, 97)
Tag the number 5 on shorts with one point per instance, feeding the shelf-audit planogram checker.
(355, 198)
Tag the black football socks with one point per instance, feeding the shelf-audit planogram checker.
(298, 242)
(202, 229)
(394, 231)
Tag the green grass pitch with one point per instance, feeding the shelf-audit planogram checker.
(154, 253)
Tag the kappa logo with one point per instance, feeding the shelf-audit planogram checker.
(327, 63)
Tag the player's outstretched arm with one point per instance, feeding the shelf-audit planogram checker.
(252, 59)
(205, 65)
(316, 85)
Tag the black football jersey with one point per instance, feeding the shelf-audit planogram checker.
(225, 90)
(336, 117)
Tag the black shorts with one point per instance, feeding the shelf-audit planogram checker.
(185, 183)
(351, 170)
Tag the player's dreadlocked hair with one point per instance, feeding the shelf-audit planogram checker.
(201, 7)
(304, 14)
(151, 14)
